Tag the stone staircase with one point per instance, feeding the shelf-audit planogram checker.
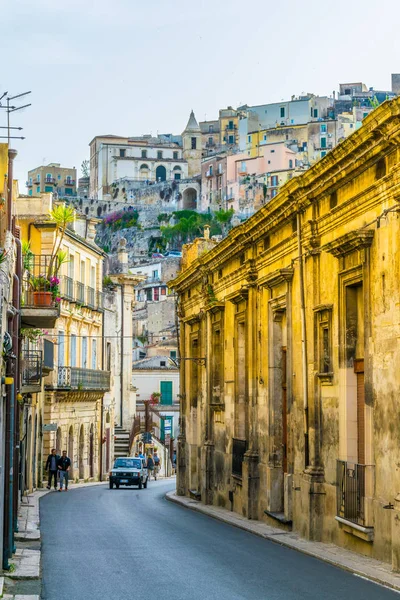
(121, 442)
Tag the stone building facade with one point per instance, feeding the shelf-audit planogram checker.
(289, 408)
(52, 178)
(70, 397)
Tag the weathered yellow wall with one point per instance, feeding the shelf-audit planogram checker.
(349, 222)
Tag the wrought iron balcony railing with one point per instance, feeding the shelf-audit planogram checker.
(352, 482)
(32, 368)
(80, 292)
(68, 288)
(90, 297)
(76, 378)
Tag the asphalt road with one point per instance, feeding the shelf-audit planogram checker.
(130, 544)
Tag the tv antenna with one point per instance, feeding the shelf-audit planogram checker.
(10, 108)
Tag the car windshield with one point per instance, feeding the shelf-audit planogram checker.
(127, 463)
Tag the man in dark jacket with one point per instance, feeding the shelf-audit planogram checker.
(52, 466)
(64, 464)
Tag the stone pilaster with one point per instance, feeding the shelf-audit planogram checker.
(207, 484)
(182, 459)
(251, 484)
(396, 535)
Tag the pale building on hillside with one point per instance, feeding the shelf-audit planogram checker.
(210, 136)
(52, 178)
(144, 159)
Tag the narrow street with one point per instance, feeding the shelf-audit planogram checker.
(126, 543)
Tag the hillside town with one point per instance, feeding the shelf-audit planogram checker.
(169, 303)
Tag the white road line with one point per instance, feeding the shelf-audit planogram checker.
(387, 587)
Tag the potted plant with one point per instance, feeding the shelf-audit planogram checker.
(42, 294)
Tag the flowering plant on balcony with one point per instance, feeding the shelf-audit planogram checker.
(155, 398)
(46, 284)
(55, 288)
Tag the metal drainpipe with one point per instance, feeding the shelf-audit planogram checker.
(17, 340)
(11, 155)
(16, 349)
(7, 502)
(303, 343)
(11, 474)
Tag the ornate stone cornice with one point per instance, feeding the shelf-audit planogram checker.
(355, 240)
(277, 277)
(192, 319)
(322, 307)
(216, 307)
(239, 296)
(78, 396)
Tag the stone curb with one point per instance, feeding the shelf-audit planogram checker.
(362, 566)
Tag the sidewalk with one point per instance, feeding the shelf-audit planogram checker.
(362, 566)
(26, 572)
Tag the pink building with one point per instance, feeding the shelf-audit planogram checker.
(252, 181)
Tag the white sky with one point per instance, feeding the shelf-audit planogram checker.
(131, 67)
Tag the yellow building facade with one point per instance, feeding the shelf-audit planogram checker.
(67, 412)
(289, 404)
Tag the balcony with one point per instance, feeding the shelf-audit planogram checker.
(86, 380)
(39, 306)
(80, 292)
(353, 485)
(68, 181)
(31, 371)
(90, 297)
(29, 184)
(84, 295)
(50, 180)
(68, 288)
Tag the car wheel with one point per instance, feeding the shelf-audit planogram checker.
(145, 483)
(111, 485)
(140, 484)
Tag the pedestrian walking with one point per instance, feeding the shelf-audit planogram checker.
(64, 464)
(174, 461)
(51, 466)
(150, 466)
(157, 464)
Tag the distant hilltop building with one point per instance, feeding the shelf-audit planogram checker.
(144, 159)
(52, 178)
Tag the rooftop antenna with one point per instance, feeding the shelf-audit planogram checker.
(9, 109)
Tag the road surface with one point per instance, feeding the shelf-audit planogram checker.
(133, 544)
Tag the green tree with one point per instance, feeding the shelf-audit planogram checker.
(85, 168)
